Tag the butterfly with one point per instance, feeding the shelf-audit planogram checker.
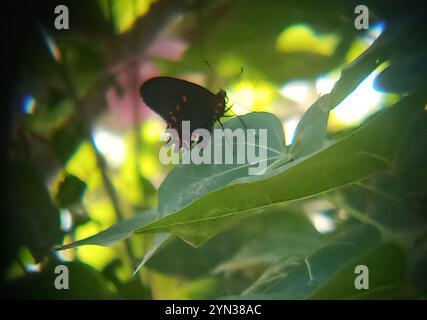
(177, 100)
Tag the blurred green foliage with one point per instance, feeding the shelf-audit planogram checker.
(83, 173)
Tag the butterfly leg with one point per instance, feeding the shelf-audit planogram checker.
(220, 123)
(226, 140)
(241, 122)
(229, 108)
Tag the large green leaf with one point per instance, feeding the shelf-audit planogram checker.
(365, 152)
(388, 204)
(396, 199)
(187, 182)
(369, 60)
(409, 71)
(254, 244)
(348, 160)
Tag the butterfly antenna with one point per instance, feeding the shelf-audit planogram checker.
(235, 77)
(209, 66)
(239, 74)
(213, 74)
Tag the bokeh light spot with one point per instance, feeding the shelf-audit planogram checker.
(111, 146)
(290, 126)
(29, 104)
(363, 42)
(362, 102)
(149, 165)
(152, 129)
(247, 96)
(298, 90)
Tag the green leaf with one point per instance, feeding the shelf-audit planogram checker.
(70, 191)
(298, 277)
(254, 244)
(386, 206)
(348, 160)
(369, 60)
(220, 209)
(158, 242)
(311, 130)
(403, 75)
(397, 198)
(386, 265)
(187, 182)
(329, 273)
(355, 157)
(117, 232)
(282, 233)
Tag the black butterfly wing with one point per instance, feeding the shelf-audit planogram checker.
(176, 100)
(163, 94)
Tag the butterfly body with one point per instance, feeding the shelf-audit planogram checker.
(177, 100)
